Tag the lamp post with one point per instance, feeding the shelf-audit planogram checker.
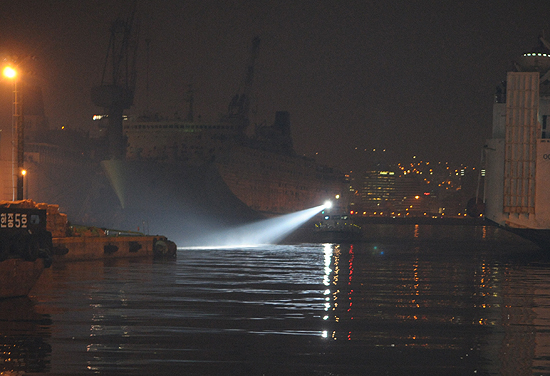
(18, 129)
(25, 183)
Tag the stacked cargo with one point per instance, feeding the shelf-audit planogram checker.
(56, 222)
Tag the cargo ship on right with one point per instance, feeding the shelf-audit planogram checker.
(517, 156)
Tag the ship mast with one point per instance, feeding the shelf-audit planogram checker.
(190, 99)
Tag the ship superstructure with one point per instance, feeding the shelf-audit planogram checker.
(262, 171)
(518, 154)
(259, 167)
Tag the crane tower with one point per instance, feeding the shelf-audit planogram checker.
(116, 92)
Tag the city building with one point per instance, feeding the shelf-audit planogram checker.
(416, 188)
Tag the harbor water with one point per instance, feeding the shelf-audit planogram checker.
(408, 300)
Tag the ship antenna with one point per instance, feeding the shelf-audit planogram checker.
(190, 99)
(147, 43)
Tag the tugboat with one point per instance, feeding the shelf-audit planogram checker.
(25, 247)
(336, 226)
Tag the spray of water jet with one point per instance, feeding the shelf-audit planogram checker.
(268, 231)
(114, 171)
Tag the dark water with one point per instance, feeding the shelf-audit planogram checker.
(410, 300)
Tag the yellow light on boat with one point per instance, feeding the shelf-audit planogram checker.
(328, 204)
(337, 197)
(23, 172)
(9, 72)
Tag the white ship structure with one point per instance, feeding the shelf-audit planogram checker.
(517, 157)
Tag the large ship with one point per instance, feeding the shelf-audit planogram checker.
(189, 177)
(180, 177)
(177, 178)
(262, 171)
(517, 156)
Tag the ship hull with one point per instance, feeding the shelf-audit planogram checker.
(180, 201)
(18, 276)
(183, 201)
(540, 237)
(276, 184)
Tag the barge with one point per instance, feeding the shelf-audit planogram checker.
(25, 247)
(79, 243)
(104, 244)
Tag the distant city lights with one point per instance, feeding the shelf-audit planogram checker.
(417, 188)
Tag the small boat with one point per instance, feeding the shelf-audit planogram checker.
(25, 248)
(337, 228)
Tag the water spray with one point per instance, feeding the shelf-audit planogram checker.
(267, 231)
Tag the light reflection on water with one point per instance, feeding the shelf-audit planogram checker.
(424, 300)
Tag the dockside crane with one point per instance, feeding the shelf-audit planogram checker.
(116, 91)
(239, 106)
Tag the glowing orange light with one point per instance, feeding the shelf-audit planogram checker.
(9, 72)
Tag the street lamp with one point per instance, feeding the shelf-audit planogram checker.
(9, 72)
(25, 182)
(17, 134)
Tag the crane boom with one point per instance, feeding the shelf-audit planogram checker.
(240, 104)
(117, 93)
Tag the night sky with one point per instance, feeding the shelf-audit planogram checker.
(411, 77)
